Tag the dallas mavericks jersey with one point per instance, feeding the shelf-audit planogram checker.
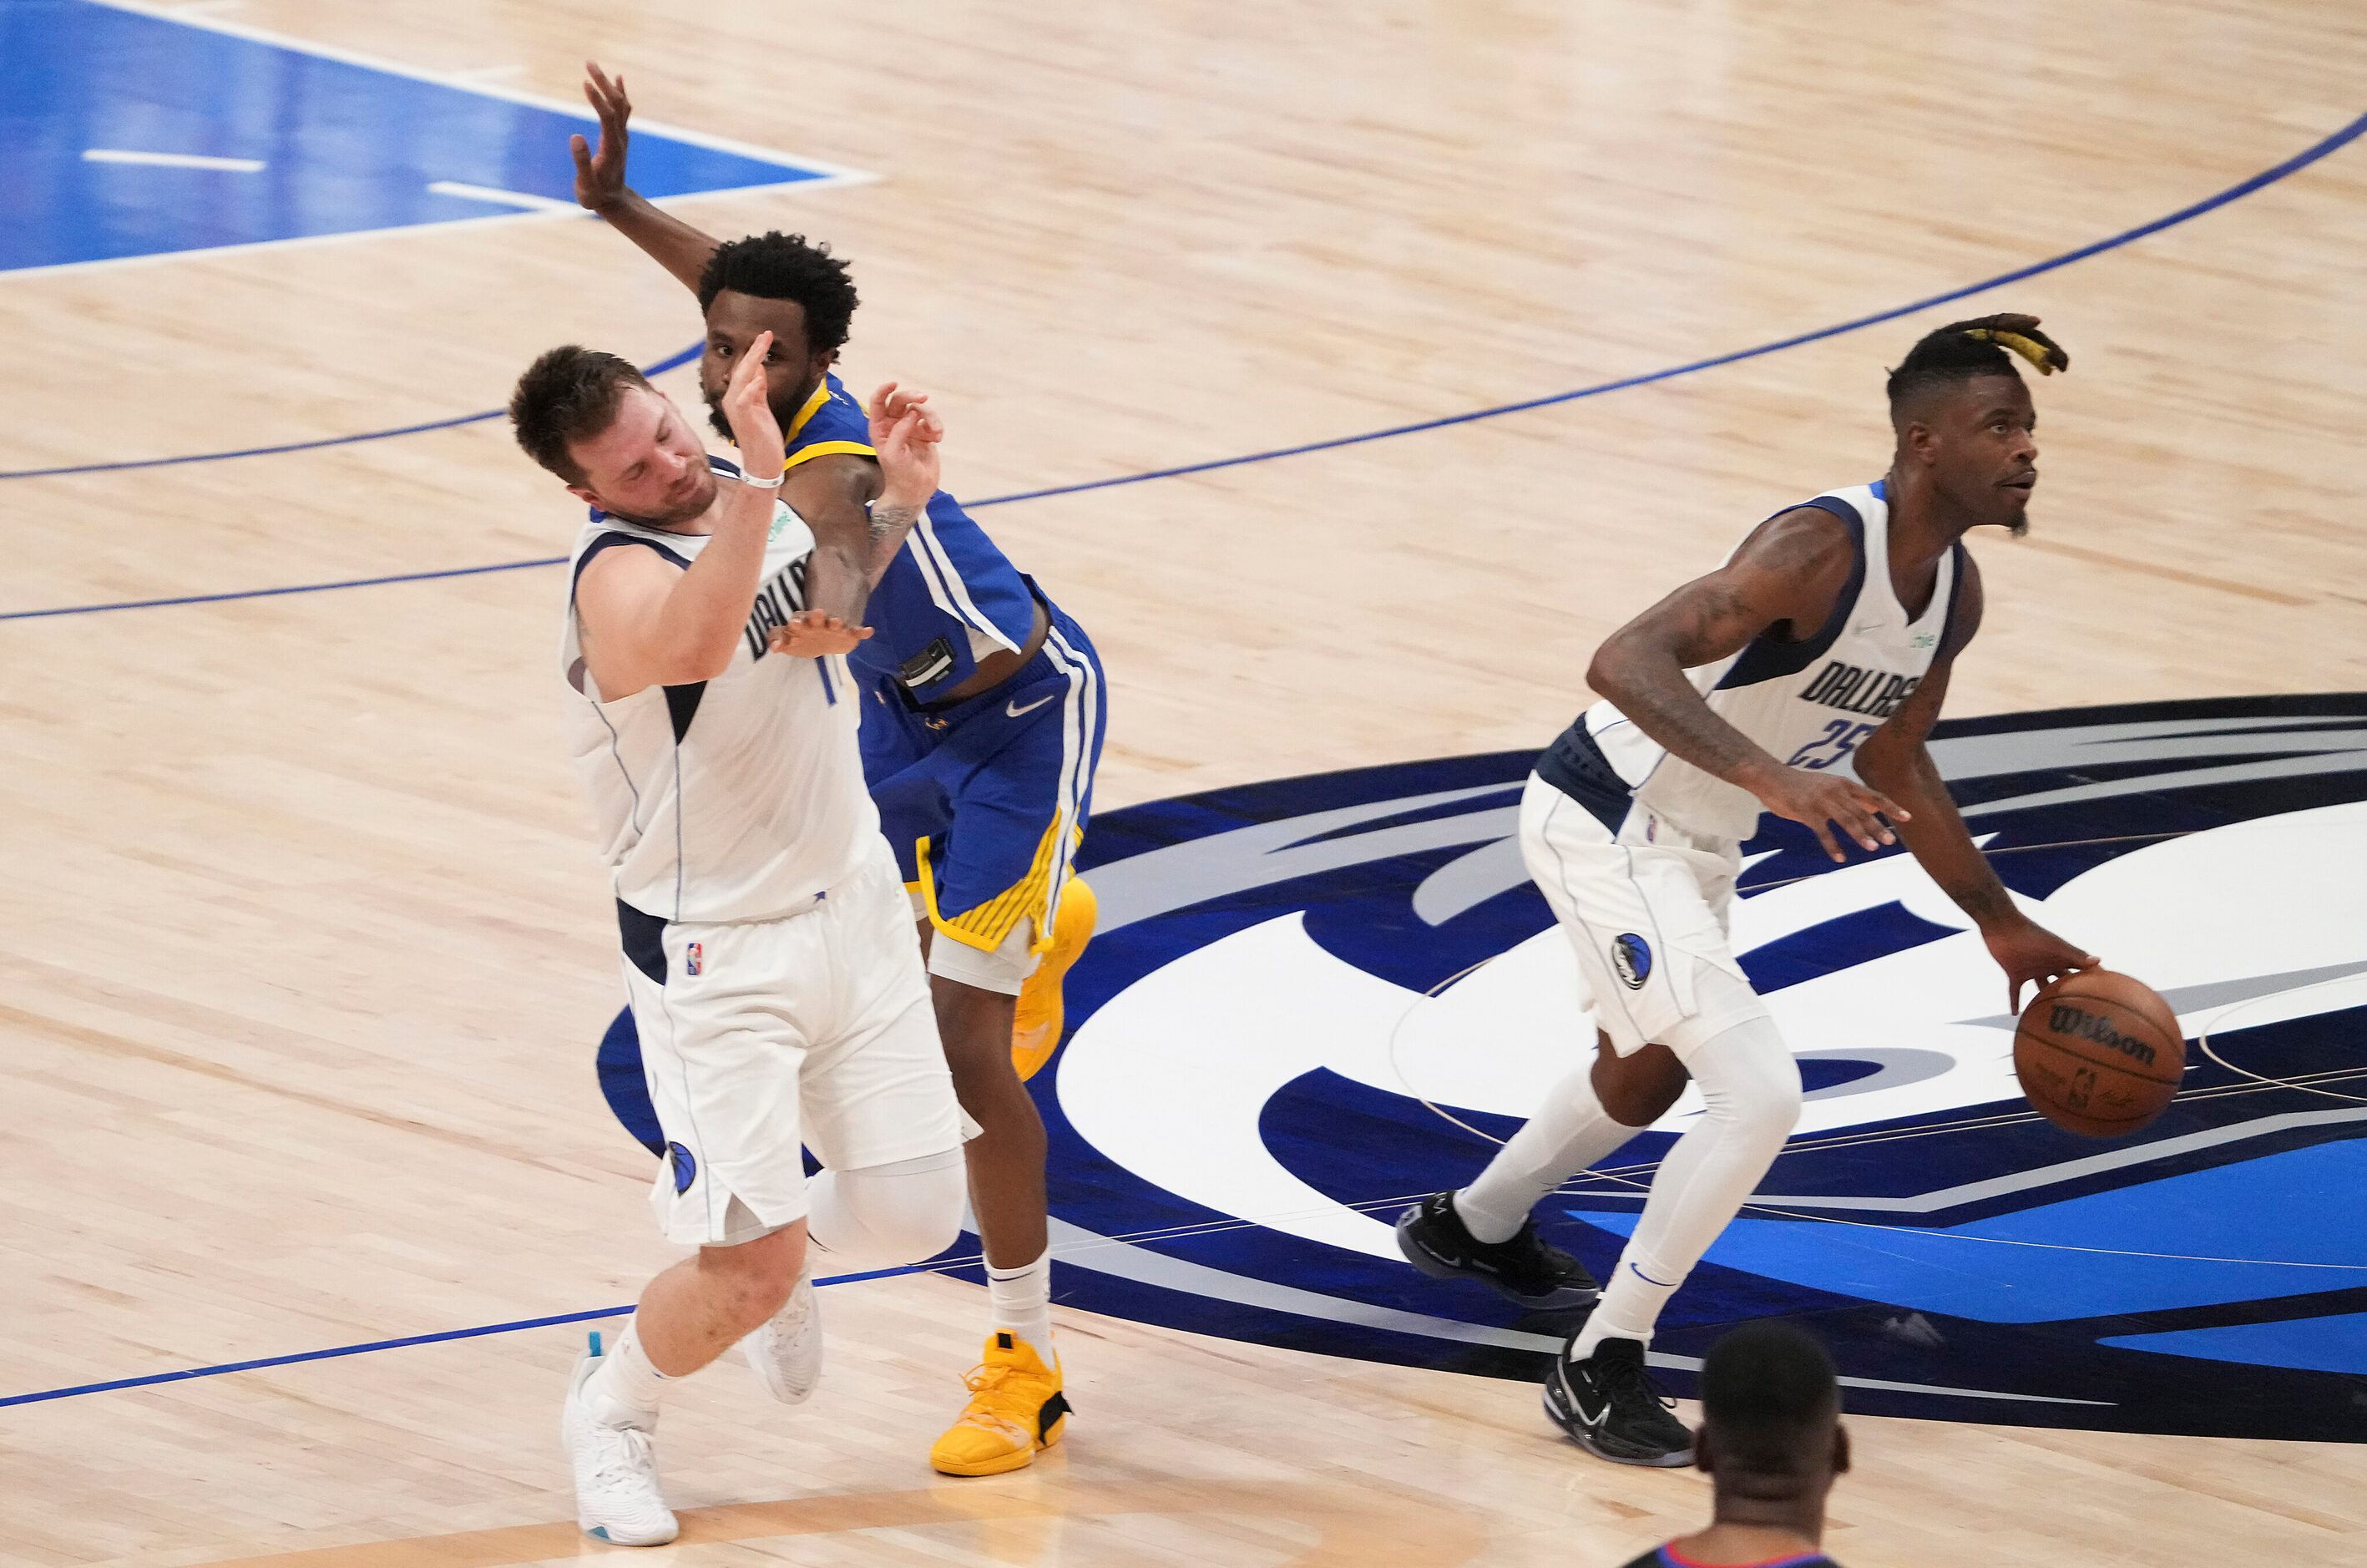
(1809, 704)
(948, 599)
(739, 797)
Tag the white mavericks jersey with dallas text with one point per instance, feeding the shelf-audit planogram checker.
(739, 797)
(1810, 703)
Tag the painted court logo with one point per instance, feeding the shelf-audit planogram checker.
(1313, 1001)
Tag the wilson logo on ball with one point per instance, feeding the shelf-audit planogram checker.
(2066, 1019)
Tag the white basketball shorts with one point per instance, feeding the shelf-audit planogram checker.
(760, 1037)
(1646, 905)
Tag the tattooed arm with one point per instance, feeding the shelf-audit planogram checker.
(1895, 760)
(1785, 579)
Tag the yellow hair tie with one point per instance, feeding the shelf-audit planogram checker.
(2038, 355)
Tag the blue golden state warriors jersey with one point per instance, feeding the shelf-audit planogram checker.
(948, 596)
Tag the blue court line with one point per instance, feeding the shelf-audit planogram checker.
(670, 361)
(2236, 192)
(437, 1338)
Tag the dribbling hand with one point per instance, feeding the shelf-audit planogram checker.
(2031, 954)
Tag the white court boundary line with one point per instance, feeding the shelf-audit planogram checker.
(822, 176)
(173, 160)
(522, 201)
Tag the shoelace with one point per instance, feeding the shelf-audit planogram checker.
(624, 1461)
(985, 1382)
(1634, 1381)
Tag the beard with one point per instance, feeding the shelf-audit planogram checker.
(702, 498)
(783, 417)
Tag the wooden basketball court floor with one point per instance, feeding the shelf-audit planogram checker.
(303, 943)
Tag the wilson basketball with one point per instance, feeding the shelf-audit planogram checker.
(2099, 1053)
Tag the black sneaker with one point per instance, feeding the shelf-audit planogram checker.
(1523, 1269)
(1612, 1407)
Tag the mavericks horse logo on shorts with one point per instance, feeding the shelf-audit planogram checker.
(1632, 957)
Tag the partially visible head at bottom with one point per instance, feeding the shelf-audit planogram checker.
(616, 442)
(1771, 1434)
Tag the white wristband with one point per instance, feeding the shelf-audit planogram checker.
(772, 483)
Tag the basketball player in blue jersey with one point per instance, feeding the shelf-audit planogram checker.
(1821, 648)
(983, 716)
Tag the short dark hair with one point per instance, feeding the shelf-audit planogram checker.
(568, 395)
(1767, 1393)
(784, 266)
(1948, 355)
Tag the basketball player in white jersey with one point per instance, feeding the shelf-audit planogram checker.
(773, 971)
(1821, 647)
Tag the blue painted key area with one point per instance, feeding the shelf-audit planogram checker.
(345, 148)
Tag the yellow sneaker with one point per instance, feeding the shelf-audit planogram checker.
(1036, 1026)
(1016, 1408)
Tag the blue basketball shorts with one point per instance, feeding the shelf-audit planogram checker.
(984, 803)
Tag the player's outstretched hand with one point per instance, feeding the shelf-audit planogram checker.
(600, 173)
(2031, 954)
(809, 634)
(1825, 800)
(904, 434)
(748, 409)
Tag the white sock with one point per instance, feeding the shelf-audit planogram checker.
(1750, 1089)
(624, 1387)
(1019, 1302)
(1570, 1132)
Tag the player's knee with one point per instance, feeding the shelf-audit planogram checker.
(1749, 1081)
(752, 1280)
(886, 1216)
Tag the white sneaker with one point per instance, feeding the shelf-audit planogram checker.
(616, 1497)
(786, 1350)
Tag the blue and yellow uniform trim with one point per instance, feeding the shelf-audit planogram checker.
(828, 441)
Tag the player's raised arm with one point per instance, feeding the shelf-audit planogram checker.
(1896, 761)
(600, 186)
(647, 623)
(852, 548)
(1788, 574)
(904, 435)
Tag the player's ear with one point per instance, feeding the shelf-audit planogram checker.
(1918, 439)
(1702, 1449)
(586, 496)
(1841, 1449)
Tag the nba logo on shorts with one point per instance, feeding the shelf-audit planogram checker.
(1632, 957)
(694, 958)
